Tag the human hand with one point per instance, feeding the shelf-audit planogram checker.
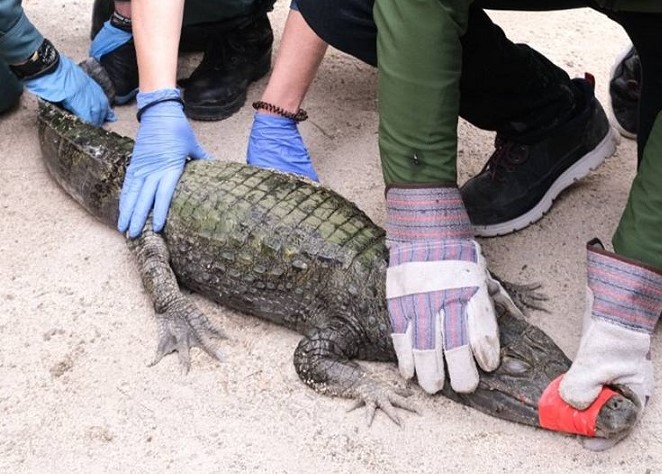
(164, 142)
(624, 302)
(77, 92)
(114, 49)
(275, 143)
(438, 290)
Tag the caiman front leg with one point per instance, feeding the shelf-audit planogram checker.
(323, 360)
(181, 325)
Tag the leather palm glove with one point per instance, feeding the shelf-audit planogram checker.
(624, 302)
(164, 142)
(275, 143)
(438, 290)
(55, 78)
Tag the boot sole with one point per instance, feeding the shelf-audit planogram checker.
(589, 162)
(213, 113)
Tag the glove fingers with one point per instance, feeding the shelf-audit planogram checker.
(462, 369)
(402, 343)
(429, 370)
(128, 198)
(110, 116)
(143, 206)
(430, 362)
(199, 153)
(483, 331)
(164, 194)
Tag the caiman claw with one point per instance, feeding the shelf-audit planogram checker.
(377, 395)
(184, 326)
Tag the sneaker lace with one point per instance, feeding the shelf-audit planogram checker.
(507, 155)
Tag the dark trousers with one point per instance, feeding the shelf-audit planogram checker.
(505, 87)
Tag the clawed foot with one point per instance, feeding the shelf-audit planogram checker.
(526, 297)
(375, 395)
(184, 326)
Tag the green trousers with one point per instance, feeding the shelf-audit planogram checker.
(639, 233)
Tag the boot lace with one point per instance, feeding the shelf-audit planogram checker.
(506, 157)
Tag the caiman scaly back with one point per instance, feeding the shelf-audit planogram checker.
(297, 254)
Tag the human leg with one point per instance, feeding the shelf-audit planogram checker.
(10, 88)
(551, 131)
(235, 35)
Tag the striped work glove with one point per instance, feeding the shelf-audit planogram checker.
(624, 302)
(438, 290)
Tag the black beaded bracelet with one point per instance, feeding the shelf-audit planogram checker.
(298, 116)
(152, 104)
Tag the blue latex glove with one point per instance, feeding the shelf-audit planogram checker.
(107, 40)
(115, 46)
(76, 91)
(275, 143)
(164, 141)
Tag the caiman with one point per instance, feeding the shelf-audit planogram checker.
(271, 245)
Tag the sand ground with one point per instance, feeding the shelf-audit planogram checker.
(77, 396)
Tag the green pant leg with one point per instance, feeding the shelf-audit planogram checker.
(212, 11)
(420, 60)
(639, 233)
(10, 88)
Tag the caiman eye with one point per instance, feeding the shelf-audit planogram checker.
(514, 366)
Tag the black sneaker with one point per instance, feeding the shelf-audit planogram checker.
(624, 91)
(218, 86)
(520, 181)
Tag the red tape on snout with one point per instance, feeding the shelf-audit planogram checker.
(556, 415)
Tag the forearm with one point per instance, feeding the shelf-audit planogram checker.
(19, 39)
(299, 56)
(156, 31)
(419, 56)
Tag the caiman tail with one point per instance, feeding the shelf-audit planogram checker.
(299, 255)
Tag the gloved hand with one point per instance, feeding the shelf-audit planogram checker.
(624, 302)
(275, 143)
(68, 85)
(163, 143)
(114, 49)
(438, 290)
(108, 39)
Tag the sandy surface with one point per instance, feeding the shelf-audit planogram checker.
(76, 394)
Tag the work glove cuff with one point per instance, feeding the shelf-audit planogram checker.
(625, 292)
(426, 214)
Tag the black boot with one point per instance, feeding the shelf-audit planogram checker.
(624, 92)
(233, 59)
(522, 178)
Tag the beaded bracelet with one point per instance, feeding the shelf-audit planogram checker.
(298, 116)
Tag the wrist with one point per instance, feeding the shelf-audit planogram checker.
(43, 61)
(426, 214)
(151, 99)
(271, 109)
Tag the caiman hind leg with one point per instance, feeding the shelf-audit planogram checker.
(324, 361)
(181, 325)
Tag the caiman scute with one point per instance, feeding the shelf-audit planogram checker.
(270, 245)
